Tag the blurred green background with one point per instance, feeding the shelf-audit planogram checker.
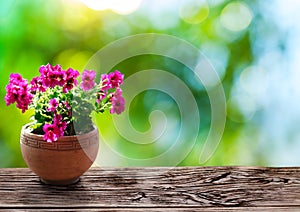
(252, 44)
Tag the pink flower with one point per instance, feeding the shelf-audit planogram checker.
(60, 124)
(52, 75)
(13, 89)
(70, 79)
(105, 82)
(18, 91)
(53, 104)
(117, 102)
(88, 78)
(116, 78)
(55, 130)
(52, 132)
(111, 80)
(36, 84)
(60, 78)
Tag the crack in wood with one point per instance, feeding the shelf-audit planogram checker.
(165, 188)
(207, 199)
(140, 195)
(219, 178)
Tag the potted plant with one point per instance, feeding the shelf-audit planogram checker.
(61, 142)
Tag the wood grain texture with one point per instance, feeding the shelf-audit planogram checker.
(156, 189)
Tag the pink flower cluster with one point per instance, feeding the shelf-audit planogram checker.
(88, 80)
(54, 85)
(18, 91)
(55, 130)
(53, 104)
(113, 80)
(52, 76)
(117, 102)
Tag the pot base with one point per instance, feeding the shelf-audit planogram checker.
(70, 156)
(60, 182)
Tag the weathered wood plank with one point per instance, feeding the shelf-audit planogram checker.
(153, 188)
(206, 209)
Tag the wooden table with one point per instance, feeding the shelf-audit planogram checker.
(156, 189)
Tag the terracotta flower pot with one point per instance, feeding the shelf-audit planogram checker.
(61, 162)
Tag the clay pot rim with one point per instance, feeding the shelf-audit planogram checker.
(68, 138)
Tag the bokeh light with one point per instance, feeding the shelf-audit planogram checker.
(194, 12)
(236, 16)
(118, 6)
